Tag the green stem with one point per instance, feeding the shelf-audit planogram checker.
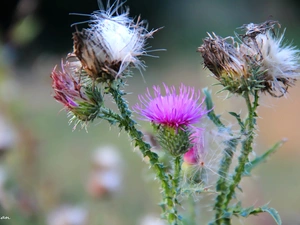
(176, 177)
(221, 186)
(129, 125)
(177, 169)
(246, 146)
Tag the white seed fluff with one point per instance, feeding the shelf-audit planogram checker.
(280, 61)
(115, 40)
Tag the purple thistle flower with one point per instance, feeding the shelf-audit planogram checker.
(173, 109)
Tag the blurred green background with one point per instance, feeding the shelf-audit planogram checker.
(45, 168)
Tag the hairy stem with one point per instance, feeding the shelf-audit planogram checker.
(222, 186)
(176, 177)
(246, 146)
(129, 125)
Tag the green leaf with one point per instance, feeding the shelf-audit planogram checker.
(246, 212)
(254, 211)
(260, 159)
(238, 118)
(208, 100)
(273, 212)
(210, 106)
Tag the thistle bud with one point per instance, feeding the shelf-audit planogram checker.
(174, 141)
(82, 101)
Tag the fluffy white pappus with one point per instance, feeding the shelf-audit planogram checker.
(114, 41)
(201, 162)
(279, 61)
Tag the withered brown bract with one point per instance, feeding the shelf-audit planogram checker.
(88, 48)
(84, 51)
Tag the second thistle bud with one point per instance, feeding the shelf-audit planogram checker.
(82, 100)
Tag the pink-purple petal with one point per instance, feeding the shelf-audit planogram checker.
(172, 109)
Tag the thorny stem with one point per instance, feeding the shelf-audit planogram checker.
(176, 178)
(246, 146)
(221, 186)
(177, 168)
(129, 125)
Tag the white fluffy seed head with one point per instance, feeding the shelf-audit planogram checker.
(281, 62)
(113, 42)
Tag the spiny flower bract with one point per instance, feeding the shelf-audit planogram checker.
(82, 102)
(176, 110)
(113, 42)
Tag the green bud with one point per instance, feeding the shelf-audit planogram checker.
(175, 141)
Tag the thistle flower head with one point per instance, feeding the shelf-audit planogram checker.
(113, 42)
(172, 115)
(171, 109)
(83, 102)
(259, 62)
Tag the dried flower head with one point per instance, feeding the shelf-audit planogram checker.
(225, 61)
(83, 102)
(260, 61)
(113, 42)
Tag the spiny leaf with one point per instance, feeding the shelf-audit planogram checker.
(238, 118)
(273, 212)
(254, 211)
(211, 114)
